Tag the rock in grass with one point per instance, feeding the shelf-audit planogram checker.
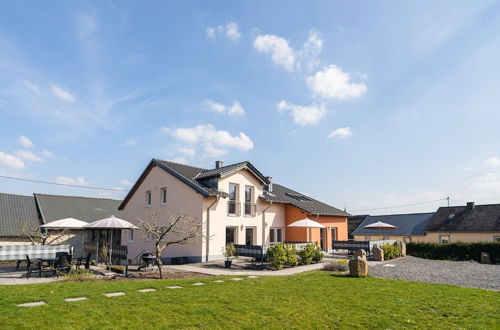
(358, 267)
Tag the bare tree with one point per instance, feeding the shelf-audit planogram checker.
(177, 230)
(38, 237)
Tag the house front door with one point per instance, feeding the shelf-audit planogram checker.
(249, 231)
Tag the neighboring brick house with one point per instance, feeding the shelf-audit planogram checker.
(235, 204)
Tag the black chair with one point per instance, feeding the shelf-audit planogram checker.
(32, 264)
(62, 265)
(84, 261)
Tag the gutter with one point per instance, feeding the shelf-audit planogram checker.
(208, 227)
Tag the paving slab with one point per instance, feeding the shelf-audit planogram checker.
(32, 304)
(114, 294)
(75, 299)
(219, 281)
(146, 290)
(388, 265)
(253, 276)
(174, 287)
(237, 279)
(198, 283)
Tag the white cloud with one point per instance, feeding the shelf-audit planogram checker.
(62, 93)
(493, 162)
(187, 151)
(213, 152)
(28, 156)
(31, 86)
(25, 142)
(11, 161)
(234, 110)
(126, 183)
(180, 160)
(212, 140)
(230, 30)
(67, 180)
(279, 49)
(284, 55)
(341, 133)
(47, 154)
(333, 83)
(303, 115)
(130, 143)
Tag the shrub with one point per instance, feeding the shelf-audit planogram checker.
(337, 266)
(318, 254)
(307, 253)
(229, 251)
(454, 251)
(391, 251)
(277, 255)
(291, 258)
(78, 275)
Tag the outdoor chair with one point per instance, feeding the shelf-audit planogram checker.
(62, 265)
(84, 261)
(32, 264)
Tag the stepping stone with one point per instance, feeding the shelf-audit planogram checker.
(75, 299)
(237, 279)
(174, 287)
(389, 265)
(219, 281)
(198, 283)
(32, 304)
(114, 294)
(253, 276)
(146, 290)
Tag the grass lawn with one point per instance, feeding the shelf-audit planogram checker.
(311, 300)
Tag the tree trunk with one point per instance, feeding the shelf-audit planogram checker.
(158, 260)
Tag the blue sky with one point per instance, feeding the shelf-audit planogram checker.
(364, 104)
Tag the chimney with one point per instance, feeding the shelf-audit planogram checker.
(470, 205)
(270, 185)
(219, 163)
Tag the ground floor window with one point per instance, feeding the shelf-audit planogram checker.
(275, 235)
(496, 238)
(367, 238)
(444, 239)
(385, 238)
(230, 235)
(407, 239)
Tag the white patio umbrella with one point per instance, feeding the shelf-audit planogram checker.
(379, 225)
(68, 223)
(110, 224)
(306, 223)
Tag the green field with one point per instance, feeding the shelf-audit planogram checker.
(311, 300)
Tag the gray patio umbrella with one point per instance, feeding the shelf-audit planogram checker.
(110, 224)
(379, 225)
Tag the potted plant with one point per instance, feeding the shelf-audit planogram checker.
(229, 252)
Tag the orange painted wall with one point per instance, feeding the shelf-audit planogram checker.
(292, 234)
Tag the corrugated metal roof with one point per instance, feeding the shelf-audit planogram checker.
(406, 224)
(16, 210)
(88, 209)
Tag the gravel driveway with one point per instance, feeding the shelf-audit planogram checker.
(461, 273)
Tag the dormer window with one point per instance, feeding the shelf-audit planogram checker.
(148, 198)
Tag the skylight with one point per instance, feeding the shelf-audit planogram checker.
(301, 198)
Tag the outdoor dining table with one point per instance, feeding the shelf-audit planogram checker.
(50, 262)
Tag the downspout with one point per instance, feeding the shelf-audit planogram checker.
(264, 224)
(208, 227)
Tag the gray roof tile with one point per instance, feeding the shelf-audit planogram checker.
(482, 218)
(16, 210)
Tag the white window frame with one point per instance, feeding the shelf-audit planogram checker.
(496, 238)
(368, 238)
(149, 198)
(273, 235)
(444, 236)
(407, 239)
(163, 196)
(131, 236)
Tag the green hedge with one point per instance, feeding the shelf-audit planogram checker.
(454, 251)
